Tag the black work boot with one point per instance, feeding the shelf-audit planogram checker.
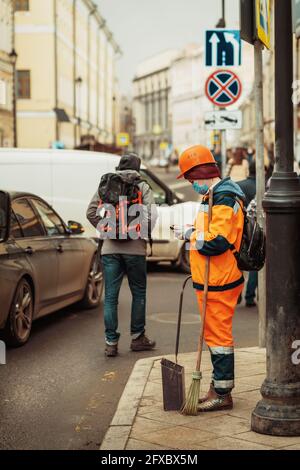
(111, 350)
(142, 343)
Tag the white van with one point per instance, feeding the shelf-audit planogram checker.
(67, 179)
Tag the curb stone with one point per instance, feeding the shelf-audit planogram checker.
(118, 433)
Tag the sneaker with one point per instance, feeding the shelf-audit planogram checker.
(142, 343)
(216, 402)
(111, 350)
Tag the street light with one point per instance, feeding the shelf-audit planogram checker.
(13, 57)
(278, 413)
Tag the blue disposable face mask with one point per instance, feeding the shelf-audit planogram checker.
(200, 189)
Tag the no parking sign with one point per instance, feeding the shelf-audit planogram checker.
(223, 88)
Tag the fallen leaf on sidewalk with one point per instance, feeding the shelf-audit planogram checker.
(108, 377)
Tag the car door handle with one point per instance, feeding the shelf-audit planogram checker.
(29, 250)
(60, 249)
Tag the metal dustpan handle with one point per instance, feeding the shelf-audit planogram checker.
(179, 318)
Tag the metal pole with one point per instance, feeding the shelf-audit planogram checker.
(14, 90)
(260, 181)
(278, 413)
(224, 152)
(296, 141)
(74, 73)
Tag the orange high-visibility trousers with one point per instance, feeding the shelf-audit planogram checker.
(219, 315)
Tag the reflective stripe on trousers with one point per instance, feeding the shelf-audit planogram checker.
(218, 334)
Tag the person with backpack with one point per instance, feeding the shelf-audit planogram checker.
(248, 186)
(123, 211)
(219, 240)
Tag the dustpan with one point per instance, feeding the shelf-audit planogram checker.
(173, 383)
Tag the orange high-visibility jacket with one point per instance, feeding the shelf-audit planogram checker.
(224, 235)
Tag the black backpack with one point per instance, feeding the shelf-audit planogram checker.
(120, 192)
(252, 253)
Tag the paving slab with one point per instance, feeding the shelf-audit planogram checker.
(140, 423)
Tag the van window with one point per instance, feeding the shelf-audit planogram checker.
(160, 195)
(30, 224)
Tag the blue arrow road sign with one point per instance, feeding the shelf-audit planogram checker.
(223, 48)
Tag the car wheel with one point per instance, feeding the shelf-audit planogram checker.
(95, 284)
(184, 260)
(19, 322)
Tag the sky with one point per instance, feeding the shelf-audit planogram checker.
(144, 28)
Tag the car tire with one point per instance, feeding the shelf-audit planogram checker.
(19, 321)
(184, 260)
(95, 284)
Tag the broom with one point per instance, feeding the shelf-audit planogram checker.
(190, 407)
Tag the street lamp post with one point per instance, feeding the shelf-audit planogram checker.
(278, 413)
(78, 84)
(13, 56)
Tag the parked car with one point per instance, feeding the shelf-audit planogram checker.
(45, 264)
(67, 180)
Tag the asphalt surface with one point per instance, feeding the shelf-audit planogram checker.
(60, 392)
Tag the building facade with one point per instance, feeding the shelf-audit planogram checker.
(6, 74)
(65, 73)
(188, 98)
(170, 103)
(151, 104)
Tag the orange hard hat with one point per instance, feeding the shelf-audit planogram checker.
(194, 156)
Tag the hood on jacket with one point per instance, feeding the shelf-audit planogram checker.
(227, 186)
(130, 175)
(129, 161)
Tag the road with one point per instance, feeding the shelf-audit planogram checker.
(60, 392)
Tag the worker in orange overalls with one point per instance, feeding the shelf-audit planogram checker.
(220, 241)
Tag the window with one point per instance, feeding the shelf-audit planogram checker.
(23, 84)
(160, 196)
(51, 221)
(15, 229)
(30, 225)
(21, 5)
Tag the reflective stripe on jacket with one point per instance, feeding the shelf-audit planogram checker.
(225, 232)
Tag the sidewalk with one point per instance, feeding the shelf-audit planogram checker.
(141, 424)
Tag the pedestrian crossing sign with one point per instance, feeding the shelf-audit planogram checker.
(263, 22)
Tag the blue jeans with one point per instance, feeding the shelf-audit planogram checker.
(251, 287)
(114, 269)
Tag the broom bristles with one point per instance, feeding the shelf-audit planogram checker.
(190, 408)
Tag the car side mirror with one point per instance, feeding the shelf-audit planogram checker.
(4, 215)
(75, 228)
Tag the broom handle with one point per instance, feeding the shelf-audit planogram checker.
(206, 281)
(179, 318)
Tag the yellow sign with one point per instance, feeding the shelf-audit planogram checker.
(123, 139)
(215, 138)
(163, 145)
(263, 22)
(157, 130)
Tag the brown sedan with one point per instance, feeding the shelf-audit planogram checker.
(45, 265)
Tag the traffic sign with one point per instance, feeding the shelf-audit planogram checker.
(223, 48)
(123, 139)
(263, 21)
(223, 88)
(222, 120)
